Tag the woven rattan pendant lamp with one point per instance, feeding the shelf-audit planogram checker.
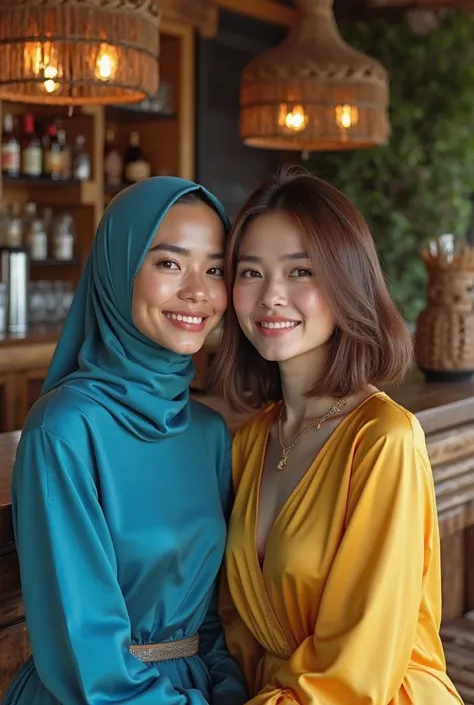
(76, 52)
(313, 91)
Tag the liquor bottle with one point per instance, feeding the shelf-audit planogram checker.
(52, 154)
(31, 153)
(113, 161)
(66, 158)
(14, 233)
(82, 162)
(137, 167)
(37, 240)
(10, 148)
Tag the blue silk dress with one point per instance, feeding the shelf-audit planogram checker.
(121, 491)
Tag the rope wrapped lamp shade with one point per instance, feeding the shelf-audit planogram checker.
(77, 52)
(313, 91)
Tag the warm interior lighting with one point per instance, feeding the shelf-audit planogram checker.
(106, 63)
(346, 116)
(292, 118)
(41, 60)
(314, 92)
(79, 52)
(50, 72)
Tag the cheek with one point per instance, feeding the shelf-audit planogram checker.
(219, 296)
(151, 288)
(244, 299)
(313, 305)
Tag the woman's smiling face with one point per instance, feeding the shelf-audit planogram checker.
(179, 294)
(277, 299)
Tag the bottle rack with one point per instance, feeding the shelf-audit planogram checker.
(167, 142)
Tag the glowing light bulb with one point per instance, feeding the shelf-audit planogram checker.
(40, 60)
(106, 63)
(346, 116)
(293, 119)
(50, 73)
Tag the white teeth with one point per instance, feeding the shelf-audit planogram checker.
(282, 324)
(186, 319)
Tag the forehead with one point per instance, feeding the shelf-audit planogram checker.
(191, 225)
(273, 233)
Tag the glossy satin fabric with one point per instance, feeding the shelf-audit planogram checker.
(120, 491)
(346, 608)
(120, 542)
(100, 352)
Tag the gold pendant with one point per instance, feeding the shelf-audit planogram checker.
(284, 459)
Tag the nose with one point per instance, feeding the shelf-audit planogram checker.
(194, 289)
(273, 295)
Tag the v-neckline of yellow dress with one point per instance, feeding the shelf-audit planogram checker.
(304, 479)
(259, 568)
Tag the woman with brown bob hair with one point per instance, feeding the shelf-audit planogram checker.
(332, 587)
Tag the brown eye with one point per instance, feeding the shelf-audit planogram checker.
(301, 272)
(249, 274)
(167, 264)
(216, 271)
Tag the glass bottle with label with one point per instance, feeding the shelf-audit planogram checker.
(113, 161)
(14, 230)
(137, 167)
(10, 148)
(32, 153)
(37, 240)
(63, 238)
(30, 213)
(52, 154)
(82, 160)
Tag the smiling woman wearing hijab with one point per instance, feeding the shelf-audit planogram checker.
(121, 483)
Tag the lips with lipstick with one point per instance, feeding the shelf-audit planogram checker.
(276, 325)
(192, 321)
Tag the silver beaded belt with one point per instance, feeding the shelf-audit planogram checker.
(166, 651)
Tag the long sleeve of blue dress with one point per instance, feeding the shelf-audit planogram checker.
(87, 594)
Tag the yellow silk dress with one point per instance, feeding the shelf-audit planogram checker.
(346, 608)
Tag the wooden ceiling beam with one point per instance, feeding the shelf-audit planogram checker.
(203, 14)
(264, 10)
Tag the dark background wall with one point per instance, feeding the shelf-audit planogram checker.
(223, 163)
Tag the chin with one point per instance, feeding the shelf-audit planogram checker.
(186, 348)
(275, 355)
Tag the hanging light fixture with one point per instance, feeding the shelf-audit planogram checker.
(77, 52)
(313, 91)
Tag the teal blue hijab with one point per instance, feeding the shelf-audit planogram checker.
(100, 352)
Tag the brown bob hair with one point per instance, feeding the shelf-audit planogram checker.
(370, 344)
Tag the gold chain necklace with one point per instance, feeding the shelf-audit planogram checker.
(335, 408)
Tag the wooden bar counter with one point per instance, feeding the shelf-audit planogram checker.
(24, 359)
(446, 412)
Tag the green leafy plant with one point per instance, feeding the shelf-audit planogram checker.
(418, 186)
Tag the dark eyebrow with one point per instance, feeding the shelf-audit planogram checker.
(165, 247)
(290, 256)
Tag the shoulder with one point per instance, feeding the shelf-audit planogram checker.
(254, 428)
(250, 440)
(55, 449)
(60, 436)
(207, 420)
(381, 417)
(211, 427)
(204, 414)
(389, 447)
(62, 412)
